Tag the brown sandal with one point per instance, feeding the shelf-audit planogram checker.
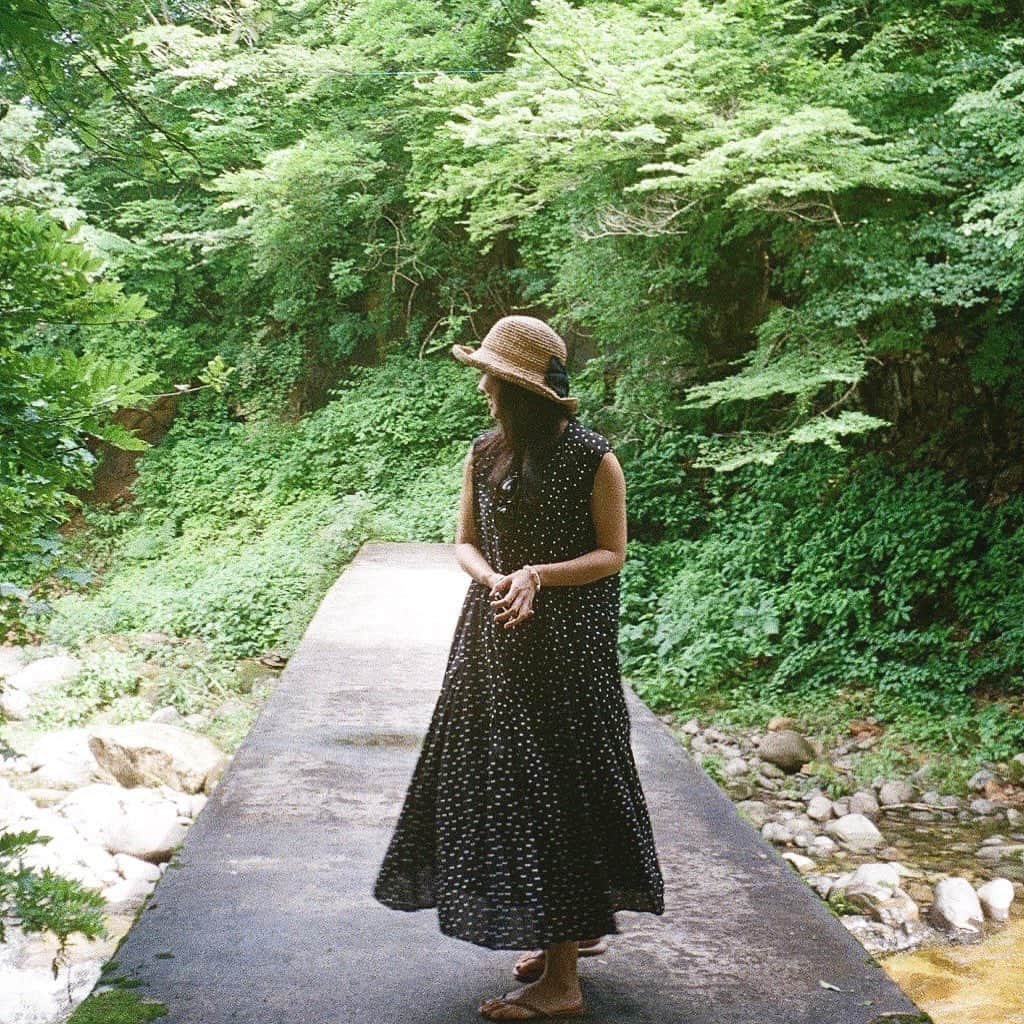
(530, 966)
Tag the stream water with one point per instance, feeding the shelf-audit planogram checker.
(968, 984)
(972, 983)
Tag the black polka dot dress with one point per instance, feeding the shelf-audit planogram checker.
(524, 822)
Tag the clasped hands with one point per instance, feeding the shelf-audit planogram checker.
(512, 597)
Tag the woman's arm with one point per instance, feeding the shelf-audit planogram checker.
(608, 507)
(467, 550)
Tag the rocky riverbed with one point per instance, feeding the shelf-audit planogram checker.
(115, 800)
(912, 872)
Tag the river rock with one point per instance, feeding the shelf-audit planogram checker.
(819, 808)
(742, 789)
(907, 871)
(885, 903)
(15, 705)
(735, 767)
(979, 779)
(797, 821)
(956, 905)
(823, 846)
(755, 811)
(126, 893)
(17, 810)
(819, 883)
(781, 722)
(72, 856)
(878, 938)
(995, 897)
(151, 753)
(134, 867)
(35, 996)
(847, 762)
(874, 936)
(167, 715)
(46, 796)
(49, 824)
(804, 839)
(777, 832)
(855, 831)
(839, 883)
(62, 760)
(863, 802)
(982, 806)
(896, 792)
(44, 674)
(138, 821)
(188, 804)
(12, 659)
(787, 749)
(801, 863)
(877, 873)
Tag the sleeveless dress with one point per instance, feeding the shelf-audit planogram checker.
(524, 822)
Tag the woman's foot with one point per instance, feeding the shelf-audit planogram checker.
(530, 966)
(539, 1000)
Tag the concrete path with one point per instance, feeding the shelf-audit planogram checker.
(268, 916)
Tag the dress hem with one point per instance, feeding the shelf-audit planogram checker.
(535, 939)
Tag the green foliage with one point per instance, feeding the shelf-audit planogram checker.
(42, 901)
(713, 766)
(238, 528)
(52, 399)
(104, 679)
(384, 429)
(241, 588)
(840, 905)
(116, 1006)
(825, 575)
(768, 178)
(829, 780)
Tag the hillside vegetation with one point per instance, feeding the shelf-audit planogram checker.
(782, 239)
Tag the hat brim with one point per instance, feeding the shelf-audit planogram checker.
(487, 362)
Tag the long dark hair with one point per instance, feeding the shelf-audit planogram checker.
(525, 440)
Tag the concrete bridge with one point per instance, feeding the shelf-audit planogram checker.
(266, 914)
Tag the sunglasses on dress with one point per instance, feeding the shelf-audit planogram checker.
(506, 505)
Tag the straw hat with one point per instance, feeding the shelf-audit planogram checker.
(525, 351)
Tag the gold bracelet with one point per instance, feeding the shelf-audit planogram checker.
(533, 572)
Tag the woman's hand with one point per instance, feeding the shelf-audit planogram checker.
(512, 598)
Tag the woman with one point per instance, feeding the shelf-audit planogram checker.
(525, 823)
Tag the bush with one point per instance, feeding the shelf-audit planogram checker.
(821, 575)
(241, 588)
